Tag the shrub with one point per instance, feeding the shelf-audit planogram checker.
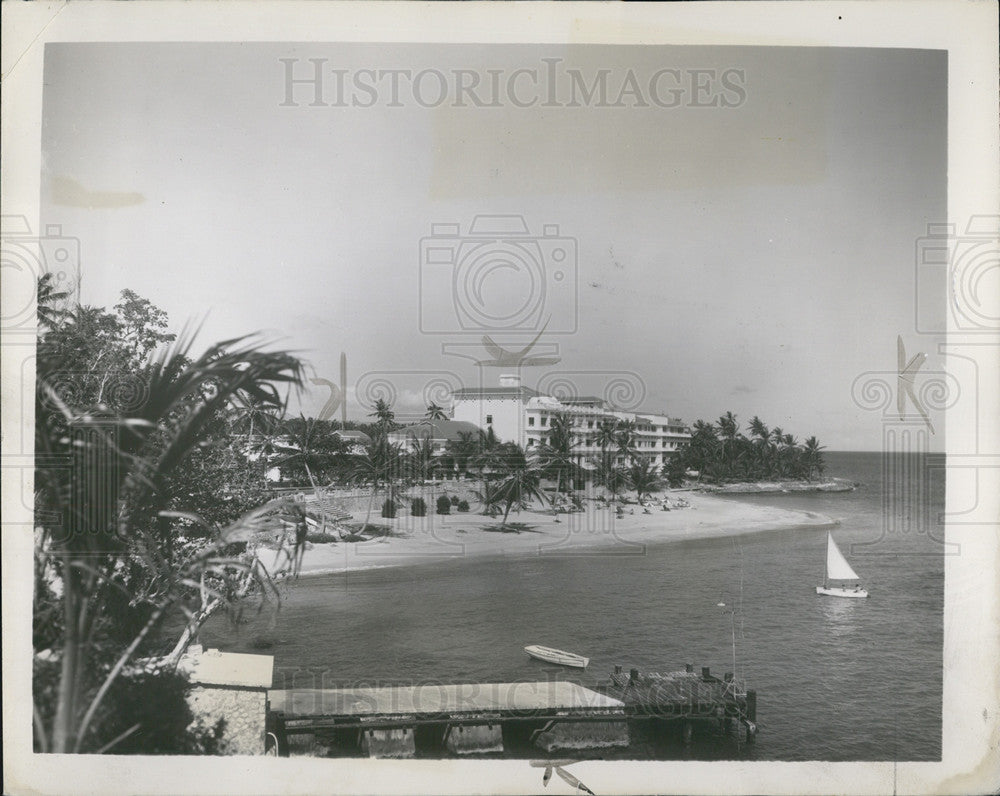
(463, 505)
(454, 500)
(443, 505)
(389, 509)
(418, 507)
(157, 703)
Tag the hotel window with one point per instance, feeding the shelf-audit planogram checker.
(531, 442)
(531, 421)
(544, 419)
(489, 419)
(590, 424)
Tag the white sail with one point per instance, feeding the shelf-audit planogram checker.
(837, 567)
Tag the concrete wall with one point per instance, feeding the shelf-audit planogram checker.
(506, 413)
(244, 710)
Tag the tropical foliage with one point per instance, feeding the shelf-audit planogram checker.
(385, 418)
(643, 478)
(133, 526)
(720, 452)
(519, 483)
(382, 465)
(556, 455)
(435, 412)
(307, 452)
(459, 454)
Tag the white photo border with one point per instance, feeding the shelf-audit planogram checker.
(971, 730)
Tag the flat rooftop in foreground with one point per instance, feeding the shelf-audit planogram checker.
(439, 698)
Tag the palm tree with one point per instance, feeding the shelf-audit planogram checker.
(421, 457)
(260, 423)
(612, 477)
(625, 440)
(422, 462)
(104, 527)
(462, 450)
(435, 412)
(48, 299)
(789, 454)
(775, 460)
(643, 478)
(758, 429)
(556, 453)
(307, 447)
(704, 453)
(812, 459)
(488, 497)
(761, 445)
(253, 416)
(520, 482)
(380, 464)
(607, 437)
(729, 432)
(385, 418)
(489, 455)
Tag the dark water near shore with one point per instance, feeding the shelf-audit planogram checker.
(836, 679)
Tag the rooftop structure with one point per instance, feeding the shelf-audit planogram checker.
(354, 440)
(349, 435)
(439, 432)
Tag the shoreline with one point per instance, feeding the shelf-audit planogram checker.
(596, 531)
(778, 487)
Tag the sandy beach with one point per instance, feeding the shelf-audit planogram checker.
(436, 538)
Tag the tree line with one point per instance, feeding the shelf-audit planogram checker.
(721, 453)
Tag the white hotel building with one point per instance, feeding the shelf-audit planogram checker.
(520, 414)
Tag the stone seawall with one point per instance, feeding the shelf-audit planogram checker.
(232, 687)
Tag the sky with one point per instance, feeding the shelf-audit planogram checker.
(728, 229)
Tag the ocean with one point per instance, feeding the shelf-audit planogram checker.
(836, 679)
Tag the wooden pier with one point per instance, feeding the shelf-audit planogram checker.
(505, 718)
(466, 718)
(685, 697)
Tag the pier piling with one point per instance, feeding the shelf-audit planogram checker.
(395, 743)
(474, 739)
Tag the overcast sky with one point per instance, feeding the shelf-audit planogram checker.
(753, 255)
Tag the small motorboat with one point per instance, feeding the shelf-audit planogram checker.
(550, 655)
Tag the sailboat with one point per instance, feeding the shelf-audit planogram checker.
(838, 569)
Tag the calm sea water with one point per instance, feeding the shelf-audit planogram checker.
(836, 679)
